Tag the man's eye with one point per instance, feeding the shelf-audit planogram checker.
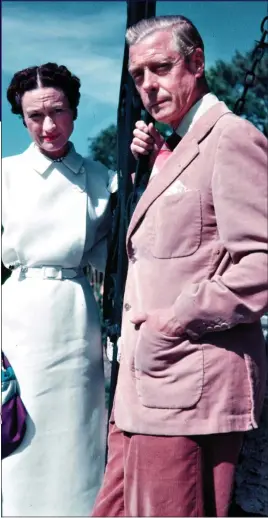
(58, 110)
(137, 76)
(163, 67)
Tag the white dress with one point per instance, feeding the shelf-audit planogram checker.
(54, 214)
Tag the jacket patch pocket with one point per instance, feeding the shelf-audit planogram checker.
(169, 371)
(178, 225)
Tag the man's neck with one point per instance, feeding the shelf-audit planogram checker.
(199, 94)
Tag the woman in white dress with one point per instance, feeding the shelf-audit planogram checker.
(55, 219)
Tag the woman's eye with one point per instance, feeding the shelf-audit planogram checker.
(34, 115)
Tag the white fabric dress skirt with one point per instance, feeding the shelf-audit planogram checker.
(51, 334)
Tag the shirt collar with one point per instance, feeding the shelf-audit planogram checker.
(197, 110)
(41, 162)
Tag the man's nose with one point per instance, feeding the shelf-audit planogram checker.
(149, 81)
(48, 124)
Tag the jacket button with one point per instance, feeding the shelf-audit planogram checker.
(127, 306)
(132, 253)
(224, 326)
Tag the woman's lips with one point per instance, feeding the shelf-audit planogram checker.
(50, 138)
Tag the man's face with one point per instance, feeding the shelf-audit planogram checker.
(49, 119)
(166, 84)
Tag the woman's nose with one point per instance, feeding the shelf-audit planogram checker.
(48, 124)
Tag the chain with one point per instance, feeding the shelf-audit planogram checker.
(250, 76)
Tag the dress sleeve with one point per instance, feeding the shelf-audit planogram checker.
(103, 183)
(112, 181)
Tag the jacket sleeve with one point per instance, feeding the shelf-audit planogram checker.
(239, 189)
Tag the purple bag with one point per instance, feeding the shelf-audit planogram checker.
(13, 411)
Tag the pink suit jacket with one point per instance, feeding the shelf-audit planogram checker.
(197, 242)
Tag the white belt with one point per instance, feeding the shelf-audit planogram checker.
(56, 273)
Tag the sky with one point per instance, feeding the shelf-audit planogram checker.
(88, 37)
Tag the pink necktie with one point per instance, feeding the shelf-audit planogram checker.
(171, 142)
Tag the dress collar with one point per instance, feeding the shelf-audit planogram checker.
(41, 162)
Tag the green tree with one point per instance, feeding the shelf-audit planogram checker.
(104, 147)
(225, 80)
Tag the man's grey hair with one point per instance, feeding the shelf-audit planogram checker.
(185, 34)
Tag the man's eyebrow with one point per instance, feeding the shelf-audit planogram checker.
(154, 62)
(132, 69)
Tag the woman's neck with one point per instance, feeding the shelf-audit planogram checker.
(57, 155)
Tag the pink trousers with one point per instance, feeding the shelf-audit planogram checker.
(168, 476)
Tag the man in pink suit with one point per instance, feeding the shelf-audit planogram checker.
(193, 366)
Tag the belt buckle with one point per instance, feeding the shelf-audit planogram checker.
(52, 272)
(21, 272)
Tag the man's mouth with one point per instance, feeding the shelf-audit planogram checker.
(157, 103)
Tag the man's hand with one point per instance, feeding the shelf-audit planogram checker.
(146, 139)
(163, 320)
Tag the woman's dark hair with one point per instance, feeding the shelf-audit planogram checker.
(48, 75)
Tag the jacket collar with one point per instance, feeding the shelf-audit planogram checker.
(185, 152)
(198, 109)
(40, 162)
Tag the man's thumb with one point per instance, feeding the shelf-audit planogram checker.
(138, 318)
(158, 138)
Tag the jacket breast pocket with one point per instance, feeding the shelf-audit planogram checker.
(169, 371)
(178, 225)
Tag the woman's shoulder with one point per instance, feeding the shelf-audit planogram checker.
(13, 161)
(94, 167)
(100, 174)
(9, 173)
(11, 170)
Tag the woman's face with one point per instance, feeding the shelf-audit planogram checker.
(49, 119)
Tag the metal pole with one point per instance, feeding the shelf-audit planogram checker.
(129, 111)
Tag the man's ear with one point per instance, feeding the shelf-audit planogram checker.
(197, 62)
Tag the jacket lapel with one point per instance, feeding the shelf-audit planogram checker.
(185, 152)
